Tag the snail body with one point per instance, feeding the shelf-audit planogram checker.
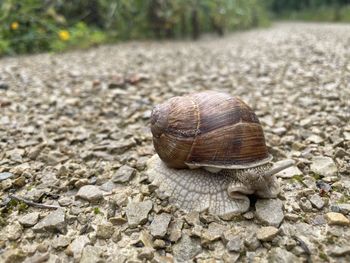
(220, 135)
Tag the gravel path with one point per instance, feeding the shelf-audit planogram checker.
(74, 134)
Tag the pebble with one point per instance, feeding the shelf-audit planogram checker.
(344, 208)
(305, 204)
(30, 219)
(279, 255)
(252, 242)
(213, 232)
(104, 231)
(235, 244)
(76, 247)
(124, 174)
(137, 212)
(270, 211)
(289, 172)
(90, 193)
(159, 225)
(91, 254)
(317, 201)
(13, 231)
(146, 253)
(340, 251)
(54, 222)
(13, 256)
(192, 218)
(186, 249)
(267, 233)
(323, 166)
(60, 242)
(5, 175)
(175, 228)
(337, 219)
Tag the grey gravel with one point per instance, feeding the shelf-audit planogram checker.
(30, 219)
(5, 175)
(90, 193)
(324, 166)
(159, 225)
(270, 211)
(137, 212)
(124, 174)
(317, 201)
(54, 222)
(186, 249)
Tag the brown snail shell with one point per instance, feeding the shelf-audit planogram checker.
(210, 129)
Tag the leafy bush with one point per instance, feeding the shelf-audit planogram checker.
(34, 25)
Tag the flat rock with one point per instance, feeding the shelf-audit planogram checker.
(175, 228)
(279, 255)
(317, 201)
(213, 232)
(235, 244)
(270, 211)
(104, 231)
(334, 218)
(324, 166)
(5, 175)
(186, 249)
(90, 193)
(137, 212)
(340, 251)
(29, 220)
(344, 208)
(124, 174)
(267, 233)
(159, 225)
(13, 231)
(289, 172)
(91, 255)
(54, 222)
(76, 247)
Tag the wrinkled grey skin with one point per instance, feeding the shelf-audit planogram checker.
(222, 193)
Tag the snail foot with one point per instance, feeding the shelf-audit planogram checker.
(196, 190)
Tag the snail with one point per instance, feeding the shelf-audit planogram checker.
(211, 153)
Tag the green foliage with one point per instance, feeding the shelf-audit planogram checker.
(34, 26)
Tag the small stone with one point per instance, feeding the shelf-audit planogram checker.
(105, 231)
(13, 231)
(91, 255)
(12, 256)
(137, 212)
(29, 220)
(315, 139)
(118, 221)
(317, 201)
(192, 218)
(267, 233)
(248, 215)
(235, 244)
(279, 255)
(344, 208)
(340, 251)
(90, 193)
(324, 166)
(186, 249)
(175, 228)
(270, 211)
(54, 222)
(159, 225)
(337, 219)
(146, 253)
(289, 172)
(252, 242)
(124, 174)
(76, 247)
(60, 242)
(197, 231)
(5, 175)
(305, 204)
(159, 243)
(319, 220)
(213, 232)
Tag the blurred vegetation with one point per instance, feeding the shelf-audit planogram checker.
(310, 10)
(30, 26)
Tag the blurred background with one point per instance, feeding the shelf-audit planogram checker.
(31, 26)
